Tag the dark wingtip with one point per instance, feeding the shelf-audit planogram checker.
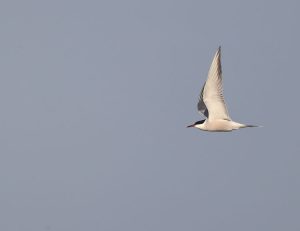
(219, 51)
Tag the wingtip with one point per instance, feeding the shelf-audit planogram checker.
(218, 51)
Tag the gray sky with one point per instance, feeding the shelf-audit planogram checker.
(95, 97)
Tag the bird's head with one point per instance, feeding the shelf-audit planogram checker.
(196, 123)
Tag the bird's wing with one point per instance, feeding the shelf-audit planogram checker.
(211, 102)
(201, 105)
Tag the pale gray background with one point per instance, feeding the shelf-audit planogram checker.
(95, 97)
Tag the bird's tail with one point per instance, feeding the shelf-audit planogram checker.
(236, 125)
(251, 126)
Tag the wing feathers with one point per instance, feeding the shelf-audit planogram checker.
(211, 101)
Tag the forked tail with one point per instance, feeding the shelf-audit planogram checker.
(251, 126)
(236, 125)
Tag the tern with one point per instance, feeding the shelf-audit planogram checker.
(212, 104)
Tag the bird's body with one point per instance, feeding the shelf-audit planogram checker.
(212, 104)
(220, 125)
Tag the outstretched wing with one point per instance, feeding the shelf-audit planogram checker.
(201, 105)
(211, 101)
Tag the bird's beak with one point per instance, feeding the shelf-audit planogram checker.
(190, 126)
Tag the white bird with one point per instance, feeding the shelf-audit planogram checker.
(212, 104)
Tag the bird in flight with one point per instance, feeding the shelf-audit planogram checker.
(212, 104)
